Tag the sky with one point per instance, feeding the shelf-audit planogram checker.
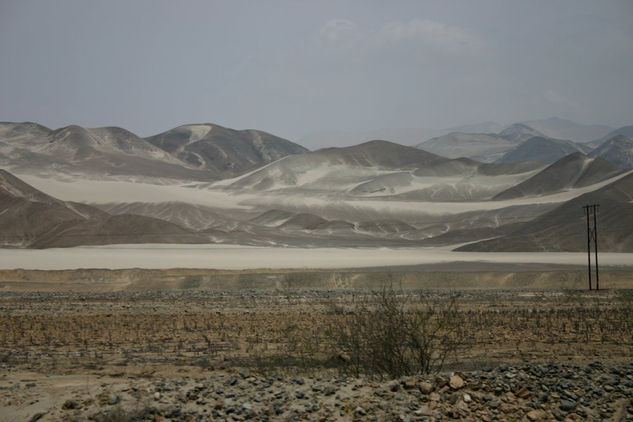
(297, 67)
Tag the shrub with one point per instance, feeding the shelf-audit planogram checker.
(392, 340)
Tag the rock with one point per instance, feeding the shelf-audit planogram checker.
(567, 405)
(524, 393)
(157, 396)
(360, 411)
(424, 410)
(344, 357)
(37, 416)
(426, 387)
(70, 404)
(462, 406)
(410, 384)
(440, 381)
(434, 396)
(456, 382)
(113, 399)
(536, 415)
(558, 414)
(467, 398)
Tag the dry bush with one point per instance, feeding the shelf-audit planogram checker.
(390, 339)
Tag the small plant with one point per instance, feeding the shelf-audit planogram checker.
(391, 340)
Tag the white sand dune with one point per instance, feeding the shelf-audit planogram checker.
(93, 191)
(244, 257)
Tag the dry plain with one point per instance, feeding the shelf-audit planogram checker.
(187, 344)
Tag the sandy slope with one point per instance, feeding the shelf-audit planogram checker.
(92, 191)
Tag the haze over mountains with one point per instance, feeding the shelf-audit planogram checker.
(195, 152)
(203, 183)
(552, 127)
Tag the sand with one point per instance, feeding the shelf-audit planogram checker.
(246, 257)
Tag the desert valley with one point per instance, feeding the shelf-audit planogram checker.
(202, 273)
(292, 210)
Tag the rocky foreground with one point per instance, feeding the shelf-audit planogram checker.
(531, 392)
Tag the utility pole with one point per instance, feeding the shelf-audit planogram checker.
(592, 236)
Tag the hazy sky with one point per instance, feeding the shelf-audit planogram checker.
(296, 67)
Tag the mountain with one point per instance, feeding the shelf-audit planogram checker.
(573, 171)
(192, 152)
(382, 170)
(110, 151)
(558, 128)
(404, 136)
(564, 228)
(617, 150)
(626, 131)
(221, 151)
(519, 132)
(31, 219)
(542, 149)
(485, 147)
(329, 167)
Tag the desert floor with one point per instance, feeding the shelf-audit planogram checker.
(531, 343)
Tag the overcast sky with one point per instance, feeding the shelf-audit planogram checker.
(297, 67)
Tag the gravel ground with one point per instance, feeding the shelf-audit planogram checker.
(527, 392)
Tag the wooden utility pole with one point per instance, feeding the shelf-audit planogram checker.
(592, 237)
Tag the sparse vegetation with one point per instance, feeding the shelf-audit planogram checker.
(391, 338)
(385, 334)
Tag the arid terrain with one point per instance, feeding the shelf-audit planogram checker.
(527, 343)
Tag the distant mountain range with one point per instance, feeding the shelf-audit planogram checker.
(543, 150)
(520, 142)
(203, 183)
(558, 128)
(194, 152)
(553, 127)
(221, 151)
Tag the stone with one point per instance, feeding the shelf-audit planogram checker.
(426, 387)
(467, 398)
(344, 357)
(536, 415)
(434, 396)
(70, 404)
(113, 399)
(410, 384)
(157, 396)
(524, 393)
(462, 407)
(567, 405)
(424, 410)
(37, 416)
(456, 382)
